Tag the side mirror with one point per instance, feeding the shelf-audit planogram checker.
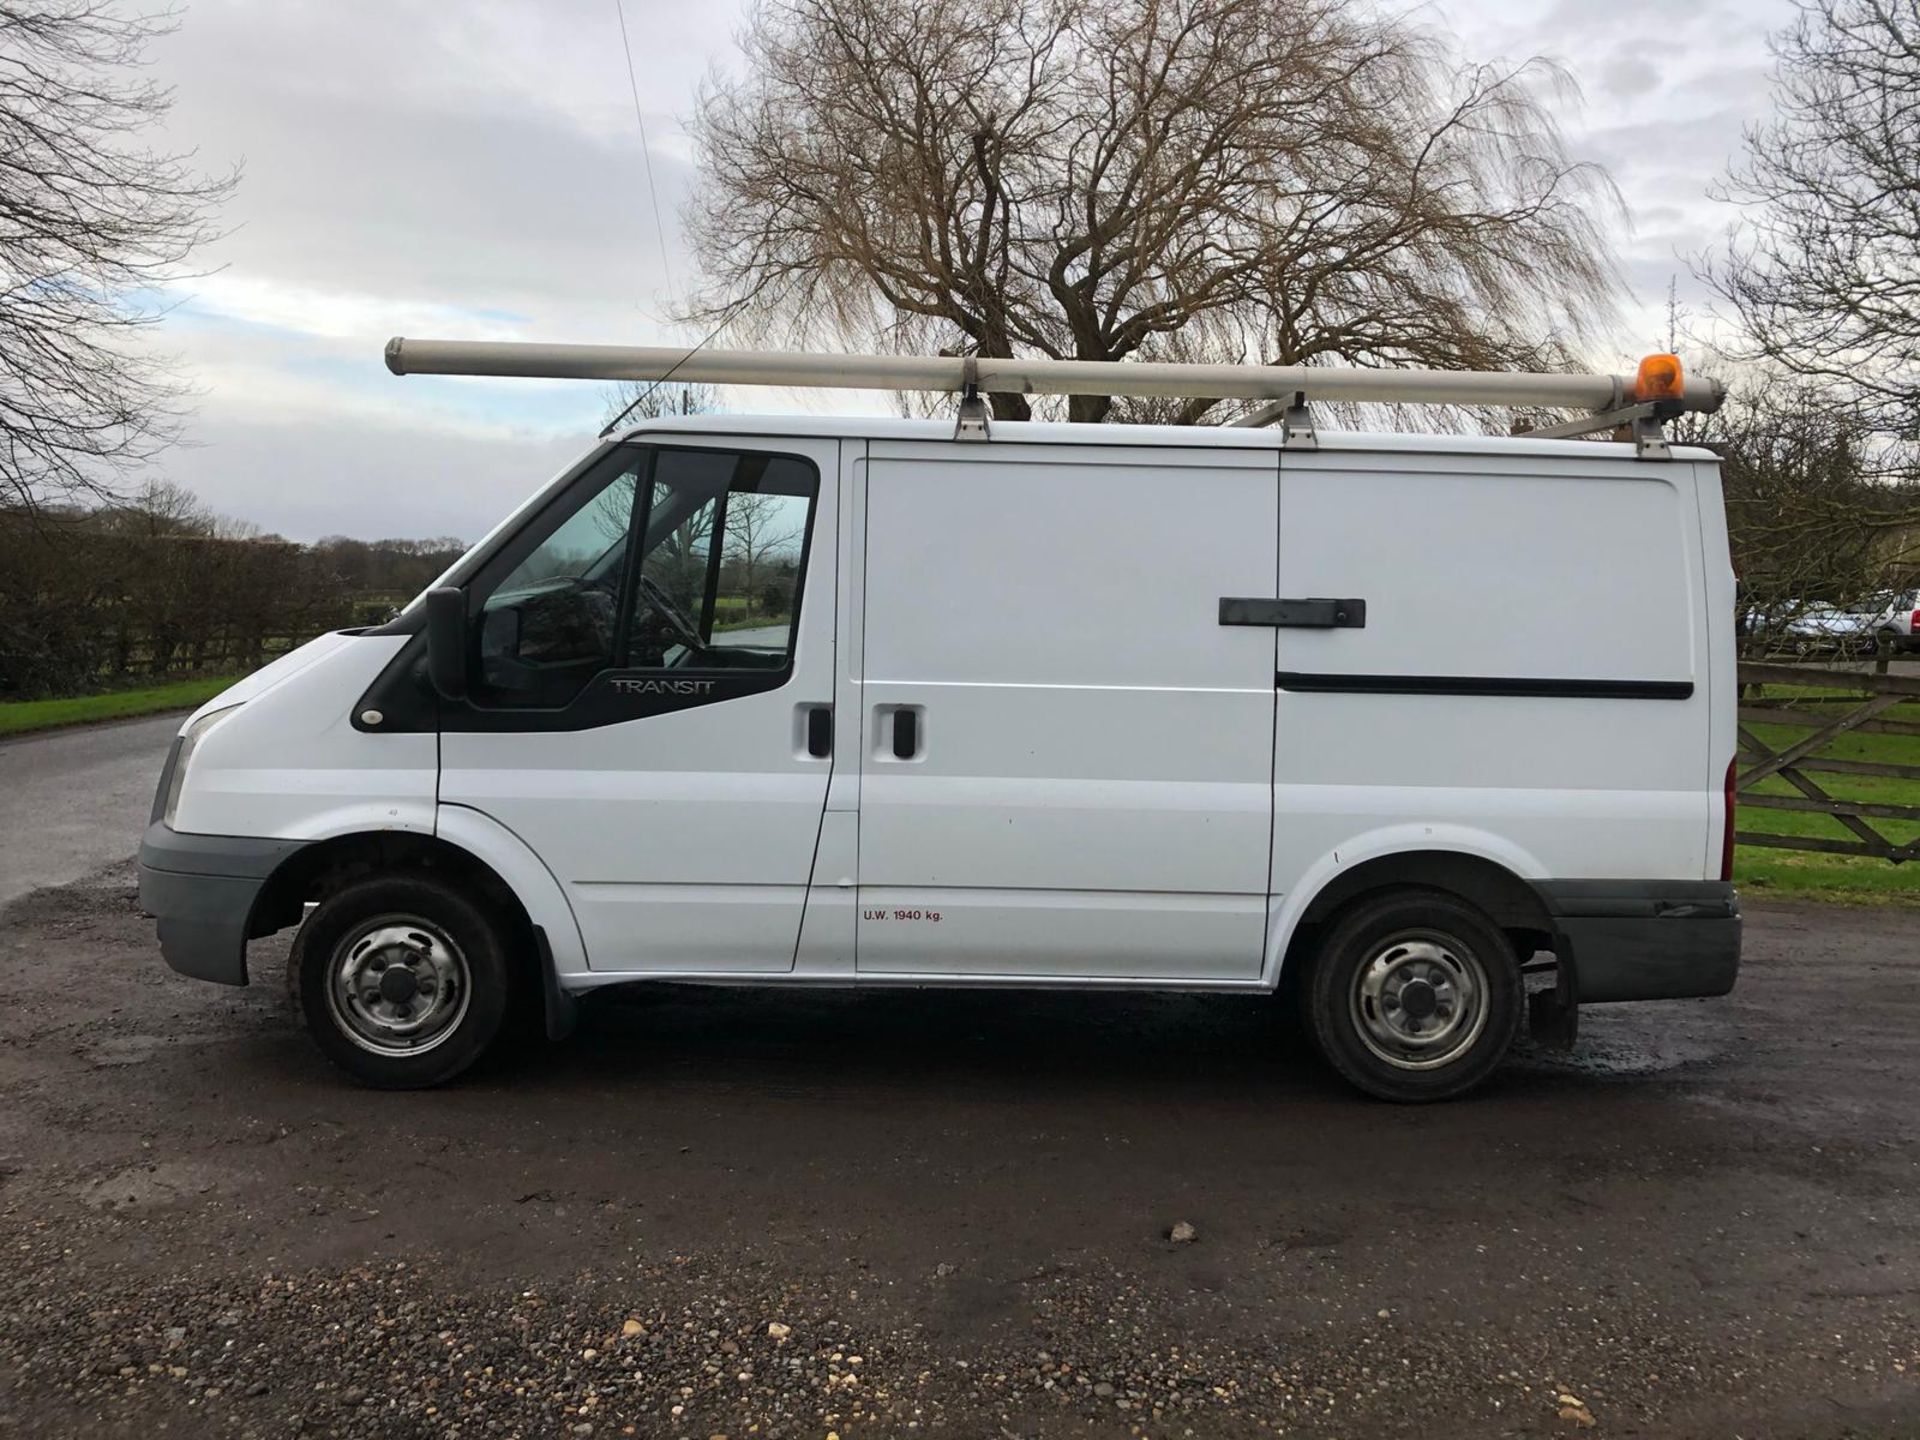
(447, 641)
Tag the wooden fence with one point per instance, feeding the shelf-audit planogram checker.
(1826, 704)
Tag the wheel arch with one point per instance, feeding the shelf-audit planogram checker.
(1496, 884)
(319, 869)
(468, 846)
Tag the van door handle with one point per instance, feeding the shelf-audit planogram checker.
(1311, 614)
(906, 733)
(820, 731)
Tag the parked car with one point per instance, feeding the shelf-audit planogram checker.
(1829, 630)
(1819, 629)
(1897, 621)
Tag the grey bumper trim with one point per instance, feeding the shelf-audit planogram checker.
(1645, 939)
(201, 890)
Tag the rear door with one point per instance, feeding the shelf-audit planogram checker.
(653, 655)
(1066, 758)
(1530, 681)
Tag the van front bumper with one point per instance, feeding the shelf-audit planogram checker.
(1645, 939)
(201, 890)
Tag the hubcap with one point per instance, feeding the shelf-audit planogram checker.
(1420, 1001)
(397, 985)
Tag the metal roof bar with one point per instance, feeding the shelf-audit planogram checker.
(950, 374)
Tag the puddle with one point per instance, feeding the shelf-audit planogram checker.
(1634, 1049)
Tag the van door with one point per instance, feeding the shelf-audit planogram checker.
(652, 698)
(1530, 682)
(1066, 759)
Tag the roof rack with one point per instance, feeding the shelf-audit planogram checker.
(1637, 403)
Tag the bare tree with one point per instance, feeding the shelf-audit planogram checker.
(159, 507)
(761, 530)
(1284, 180)
(92, 225)
(1821, 511)
(1828, 287)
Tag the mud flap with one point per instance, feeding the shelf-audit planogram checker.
(563, 1011)
(1553, 1016)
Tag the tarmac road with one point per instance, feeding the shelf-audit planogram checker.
(733, 1213)
(74, 800)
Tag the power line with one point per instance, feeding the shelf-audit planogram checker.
(646, 151)
(634, 404)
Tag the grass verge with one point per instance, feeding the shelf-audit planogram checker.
(21, 717)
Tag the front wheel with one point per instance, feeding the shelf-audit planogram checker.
(1415, 996)
(402, 980)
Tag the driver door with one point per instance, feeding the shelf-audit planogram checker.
(651, 656)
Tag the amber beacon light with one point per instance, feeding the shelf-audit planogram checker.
(1660, 378)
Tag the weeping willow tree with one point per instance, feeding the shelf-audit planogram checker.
(1284, 181)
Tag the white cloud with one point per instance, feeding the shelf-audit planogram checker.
(257, 299)
(474, 170)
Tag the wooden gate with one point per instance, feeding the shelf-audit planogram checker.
(1826, 704)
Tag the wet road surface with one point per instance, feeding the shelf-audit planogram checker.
(948, 1213)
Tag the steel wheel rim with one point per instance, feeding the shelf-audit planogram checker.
(1420, 1000)
(398, 985)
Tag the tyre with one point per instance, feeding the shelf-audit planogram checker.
(1414, 995)
(401, 980)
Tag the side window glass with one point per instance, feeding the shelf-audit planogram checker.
(715, 541)
(720, 561)
(766, 537)
(685, 500)
(552, 624)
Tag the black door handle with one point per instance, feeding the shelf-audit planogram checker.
(1312, 614)
(906, 734)
(820, 731)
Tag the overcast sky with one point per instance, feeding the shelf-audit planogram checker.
(475, 170)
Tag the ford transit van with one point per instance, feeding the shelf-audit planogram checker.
(1412, 725)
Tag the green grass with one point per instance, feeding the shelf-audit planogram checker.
(1762, 870)
(742, 621)
(20, 717)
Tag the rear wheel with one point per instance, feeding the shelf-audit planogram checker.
(402, 980)
(1415, 995)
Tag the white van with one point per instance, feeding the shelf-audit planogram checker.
(779, 701)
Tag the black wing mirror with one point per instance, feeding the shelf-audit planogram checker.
(447, 641)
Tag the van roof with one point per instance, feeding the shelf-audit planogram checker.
(1029, 432)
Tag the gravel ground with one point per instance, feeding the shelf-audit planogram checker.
(718, 1213)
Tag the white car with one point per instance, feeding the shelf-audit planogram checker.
(1821, 629)
(1897, 620)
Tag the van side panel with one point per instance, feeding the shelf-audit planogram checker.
(1532, 680)
(1086, 791)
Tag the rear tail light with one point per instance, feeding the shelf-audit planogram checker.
(1913, 623)
(1726, 839)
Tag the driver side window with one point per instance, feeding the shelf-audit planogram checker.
(666, 559)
